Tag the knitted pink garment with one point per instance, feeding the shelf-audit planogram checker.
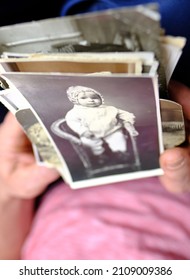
(130, 220)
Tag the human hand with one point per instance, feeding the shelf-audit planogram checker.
(175, 162)
(134, 132)
(20, 176)
(130, 128)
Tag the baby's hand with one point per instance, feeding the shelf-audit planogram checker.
(132, 131)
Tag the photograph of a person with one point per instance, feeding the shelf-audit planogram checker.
(103, 130)
(104, 127)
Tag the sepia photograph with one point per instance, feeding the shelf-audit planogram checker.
(131, 63)
(131, 66)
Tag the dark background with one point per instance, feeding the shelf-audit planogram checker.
(18, 11)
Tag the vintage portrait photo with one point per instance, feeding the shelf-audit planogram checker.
(103, 126)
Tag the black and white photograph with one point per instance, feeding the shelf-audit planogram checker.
(173, 125)
(104, 31)
(105, 127)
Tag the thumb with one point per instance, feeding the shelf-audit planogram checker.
(33, 181)
(176, 166)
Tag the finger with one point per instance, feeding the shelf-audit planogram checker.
(11, 125)
(12, 135)
(176, 166)
(33, 181)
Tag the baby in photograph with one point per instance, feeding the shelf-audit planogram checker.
(98, 124)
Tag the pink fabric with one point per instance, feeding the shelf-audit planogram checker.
(130, 220)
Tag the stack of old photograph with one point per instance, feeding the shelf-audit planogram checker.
(90, 92)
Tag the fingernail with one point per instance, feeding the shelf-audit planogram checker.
(175, 163)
